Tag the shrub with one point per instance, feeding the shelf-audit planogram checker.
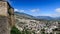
(15, 30)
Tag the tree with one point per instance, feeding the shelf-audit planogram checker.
(15, 30)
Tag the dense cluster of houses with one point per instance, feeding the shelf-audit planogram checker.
(38, 26)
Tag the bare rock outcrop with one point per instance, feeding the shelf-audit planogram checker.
(6, 17)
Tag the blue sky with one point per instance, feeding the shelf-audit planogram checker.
(37, 7)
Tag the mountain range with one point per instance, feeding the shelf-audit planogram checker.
(24, 15)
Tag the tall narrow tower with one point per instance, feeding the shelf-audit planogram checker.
(6, 17)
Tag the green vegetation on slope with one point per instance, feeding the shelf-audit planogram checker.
(15, 30)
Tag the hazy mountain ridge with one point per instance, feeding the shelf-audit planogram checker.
(44, 17)
(24, 15)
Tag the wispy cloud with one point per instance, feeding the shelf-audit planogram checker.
(57, 10)
(35, 10)
(17, 10)
(57, 14)
(21, 10)
(31, 10)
